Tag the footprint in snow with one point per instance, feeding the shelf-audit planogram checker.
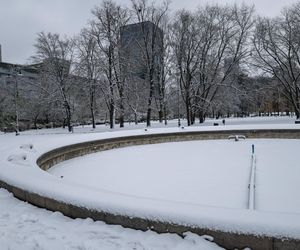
(27, 147)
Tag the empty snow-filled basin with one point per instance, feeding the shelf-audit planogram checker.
(210, 173)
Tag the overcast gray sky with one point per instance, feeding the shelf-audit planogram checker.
(21, 20)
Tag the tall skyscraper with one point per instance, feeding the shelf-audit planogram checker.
(141, 45)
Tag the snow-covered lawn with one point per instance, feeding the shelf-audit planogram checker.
(215, 196)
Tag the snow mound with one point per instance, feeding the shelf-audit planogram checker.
(208, 237)
(205, 240)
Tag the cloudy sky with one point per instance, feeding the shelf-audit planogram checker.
(21, 20)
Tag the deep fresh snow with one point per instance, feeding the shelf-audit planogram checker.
(25, 227)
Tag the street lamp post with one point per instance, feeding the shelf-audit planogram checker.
(16, 72)
(16, 103)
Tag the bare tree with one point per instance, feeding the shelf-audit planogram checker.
(277, 51)
(186, 45)
(134, 98)
(209, 44)
(165, 78)
(106, 29)
(36, 99)
(56, 54)
(150, 44)
(88, 67)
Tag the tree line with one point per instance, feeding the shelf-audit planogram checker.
(218, 60)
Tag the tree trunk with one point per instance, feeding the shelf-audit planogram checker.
(111, 116)
(165, 115)
(68, 115)
(47, 118)
(161, 106)
(35, 123)
(160, 115)
(148, 116)
(69, 120)
(64, 123)
(297, 113)
(201, 116)
(69, 124)
(297, 106)
(122, 108)
(188, 115)
(121, 117)
(193, 117)
(93, 116)
(135, 118)
(92, 104)
(149, 109)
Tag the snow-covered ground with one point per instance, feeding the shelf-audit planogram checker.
(186, 172)
(25, 227)
(171, 124)
(211, 173)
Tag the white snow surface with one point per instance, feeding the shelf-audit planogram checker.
(210, 173)
(182, 172)
(271, 219)
(26, 227)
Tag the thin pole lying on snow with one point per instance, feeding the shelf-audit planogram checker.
(251, 186)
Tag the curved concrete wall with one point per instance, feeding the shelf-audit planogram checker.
(68, 152)
(225, 239)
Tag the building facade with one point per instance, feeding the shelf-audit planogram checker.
(142, 45)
